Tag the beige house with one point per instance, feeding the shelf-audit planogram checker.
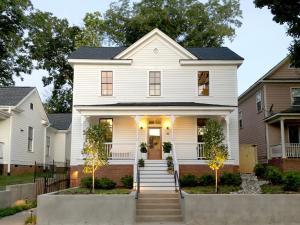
(269, 116)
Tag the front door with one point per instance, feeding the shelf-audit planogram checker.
(293, 134)
(154, 142)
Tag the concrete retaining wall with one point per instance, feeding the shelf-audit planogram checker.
(54, 209)
(263, 209)
(16, 192)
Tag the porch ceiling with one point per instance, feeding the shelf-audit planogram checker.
(282, 116)
(4, 115)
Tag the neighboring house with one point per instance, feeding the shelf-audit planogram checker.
(23, 124)
(269, 116)
(58, 140)
(154, 91)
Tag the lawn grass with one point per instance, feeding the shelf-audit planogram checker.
(275, 189)
(73, 191)
(223, 189)
(16, 179)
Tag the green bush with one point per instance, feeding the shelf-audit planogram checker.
(206, 180)
(233, 179)
(15, 209)
(188, 180)
(141, 163)
(127, 181)
(274, 175)
(86, 182)
(260, 170)
(105, 183)
(291, 181)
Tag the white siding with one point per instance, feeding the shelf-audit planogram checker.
(4, 138)
(21, 122)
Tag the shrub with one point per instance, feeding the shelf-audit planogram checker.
(260, 170)
(291, 181)
(143, 147)
(86, 182)
(189, 180)
(127, 181)
(274, 175)
(105, 183)
(206, 180)
(233, 179)
(167, 147)
(141, 163)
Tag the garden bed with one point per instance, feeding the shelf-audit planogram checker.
(211, 189)
(276, 189)
(74, 191)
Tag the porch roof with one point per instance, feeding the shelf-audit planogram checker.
(160, 104)
(290, 113)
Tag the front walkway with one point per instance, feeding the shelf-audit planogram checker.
(17, 219)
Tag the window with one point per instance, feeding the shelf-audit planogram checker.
(240, 119)
(154, 83)
(203, 83)
(109, 122)
(258, 102)
(30, 139)
(295, 95)
(106, 83)
(48, 145)
(200, 129)
(31, 106)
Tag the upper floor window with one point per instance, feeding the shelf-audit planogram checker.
(48, 145)
(295, 94)
(31, 106)
(109, 123)
(241, 119)
(30, 139)
(106, 83)
(258, 101)
(203, 83)
(154, 83)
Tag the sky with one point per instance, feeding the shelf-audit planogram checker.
(262, 42)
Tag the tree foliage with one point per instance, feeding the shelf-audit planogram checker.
(13, 53)
(286, 12)
(189, 22)
(214, 149)
(95, 155)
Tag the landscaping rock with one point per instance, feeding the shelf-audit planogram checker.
(250, 184)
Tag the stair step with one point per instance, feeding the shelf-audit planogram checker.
(157, 184)
(158, 200)
(158, 176)
(150, 161)
(154, 195)
(155, 165)
(154, 212)
(155, 180)
(161, 218)
(148, 188)
(153, 168)
(157, 206)
(154, 172)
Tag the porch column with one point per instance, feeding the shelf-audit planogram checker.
(84, 126)
(282, 138)
(137, 121)
(228, 136)
(173, 118)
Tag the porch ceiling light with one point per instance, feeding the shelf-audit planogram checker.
(167, 125)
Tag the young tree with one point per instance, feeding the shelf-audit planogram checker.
(214, 149)
(94, 151)
(287, 13)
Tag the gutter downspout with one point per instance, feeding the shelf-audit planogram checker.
(45, 144)
(10, 140)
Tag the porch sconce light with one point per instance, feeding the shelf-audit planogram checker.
(141, 127)
(167, 127)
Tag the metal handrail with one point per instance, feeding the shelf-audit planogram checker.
(177, 183)
(137, 182)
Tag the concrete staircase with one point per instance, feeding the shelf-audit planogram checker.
(154, 176)
(158, 206)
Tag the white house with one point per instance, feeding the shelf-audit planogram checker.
(27, 135)
(154, 91)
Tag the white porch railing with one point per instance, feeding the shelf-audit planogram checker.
(292, 150)
(189, 150)
(200, 150)
(120, 150)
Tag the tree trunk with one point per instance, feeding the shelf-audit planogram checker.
(216, 188)
(93, 178)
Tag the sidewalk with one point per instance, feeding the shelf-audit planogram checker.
(17, 219)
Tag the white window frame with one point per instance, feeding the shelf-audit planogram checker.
(148, 84)
(48, 147)
(32, 140)
(100, 83)
(291, 93)
(241, 125)
(261, 106)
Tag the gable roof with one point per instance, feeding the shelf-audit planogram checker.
(11, 96)
(260, 80)
(60, 121)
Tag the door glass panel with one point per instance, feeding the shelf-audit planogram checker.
(294, 134)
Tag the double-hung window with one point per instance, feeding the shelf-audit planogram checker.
(295, 95)
(30, 139)
(258, 101)
(106, 83)
(154, 83)
(200, 129)
(203, 83)
(109, 123)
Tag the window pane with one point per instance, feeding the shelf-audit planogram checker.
(109, 122)
(200, 129)
(203, 83)
(106, 83)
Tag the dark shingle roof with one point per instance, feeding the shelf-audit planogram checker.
(163, 104)
(60, 121)
(11, 96)
(222, 53)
